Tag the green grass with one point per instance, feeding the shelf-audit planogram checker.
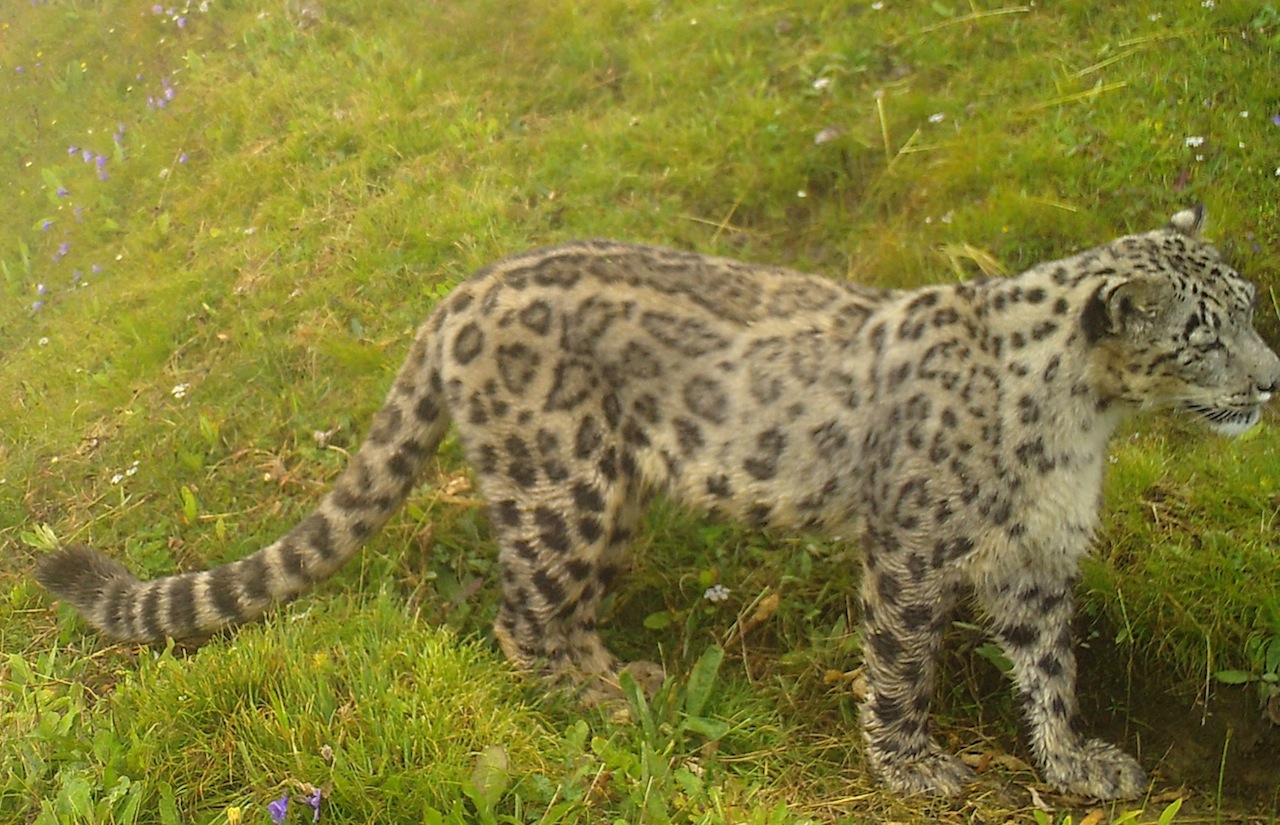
(326, 169)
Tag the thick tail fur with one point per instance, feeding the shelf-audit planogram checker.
(405, 433)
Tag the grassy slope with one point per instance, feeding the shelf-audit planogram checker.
(270, 237)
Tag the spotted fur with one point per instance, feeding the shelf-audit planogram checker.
(961, 430)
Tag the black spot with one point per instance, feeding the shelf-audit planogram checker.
(705, 398)
(719, 486)
(612, 409)
(222, 584)
(888, 589)
(537, 317)
(589, 438)
(1019, 636)
(552, 530)
(758, 514)
(468, 344)
(578, 570)
(587, 497)
(688, 435)
(769, 445)
(590, 529)
(917, 617)
(574, 381)
(317, 535)
(517, 366)
(1050, 665)
(550, 589)
(521, 468)
(507, 513)
(426, 410)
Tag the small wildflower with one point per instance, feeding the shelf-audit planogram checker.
(179, 391)
(86, 155)
(877, 6)
(182, 22)
(157, 9)
(76, 275)
(278, 809)
(1275, 119)
(326, 753)
(235, 815)
(937, 117)
(802, 194)
(71, 150)
(36, 307)
(44, 342)
(46, 225)
(1244, 114)
(1195, 141)
(716, 593)
(821, 83)
(63, 191)
(1199, 158)
(313, 799)
(117, 478)
(826, 135)
(1207, 4)
(96, 269)
(41, 289)
(100, 161)
(63, 249)
(1154, 17)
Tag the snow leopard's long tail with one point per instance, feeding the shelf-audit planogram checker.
(404, 435)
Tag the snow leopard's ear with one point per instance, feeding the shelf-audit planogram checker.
(1126, 305)
(1189, 222)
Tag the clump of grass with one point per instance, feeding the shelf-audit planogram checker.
(294, 187)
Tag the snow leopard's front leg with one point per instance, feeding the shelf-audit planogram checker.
(1030, 614)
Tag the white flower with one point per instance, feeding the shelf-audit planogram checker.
(1244, 114)
(117, 478)
(716, 593)
(877, 6)
(44, 342)
(1207, 4)
(1154, 17)
(822, 83)
(1195, 140)
(937, 117)
(179, 391)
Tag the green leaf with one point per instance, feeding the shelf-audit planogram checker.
(659, 620)
(1167, 815)
(1233, 677)
(701, 680)
(639, 704)
(491, 776)
(709, 728)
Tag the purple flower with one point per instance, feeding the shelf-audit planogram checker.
(46, 225)
(96, 269)
(100, 161)
(63, 249)
(71, 150)
(1276, 119)
(279, 809)
(76, 275)
(157, 9)
(182, 22)
(41, 289)
(182, 158)
(36, 307)
(86, 155)
(20, 70)
(313, 799)
(102, 174)
(63, 192)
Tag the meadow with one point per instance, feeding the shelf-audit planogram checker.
(223, 220)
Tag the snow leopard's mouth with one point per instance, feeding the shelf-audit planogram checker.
(1229, 421)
